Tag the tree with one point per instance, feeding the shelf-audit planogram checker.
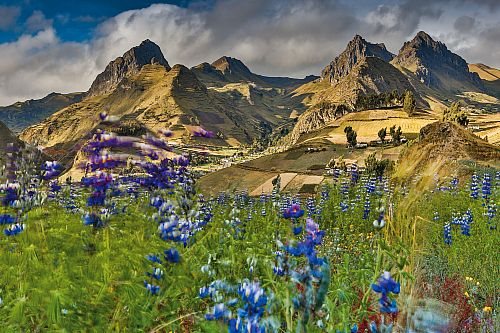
(351, 136)
(409, 103)
(378, 167)
(382, 134)
(396, 134)
(454, 113)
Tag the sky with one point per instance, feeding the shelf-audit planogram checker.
(49, 45)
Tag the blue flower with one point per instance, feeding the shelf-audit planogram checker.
(447, 234)
(7, 219)
(157, 273)
(293, 212)
(386, 285)
(297, 230)
(13, 230)
(219, 311)
(151, 288)
(153, 258)
(172, 255)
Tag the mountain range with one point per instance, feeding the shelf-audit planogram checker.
(144, 94)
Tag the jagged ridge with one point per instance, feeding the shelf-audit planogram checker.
(356, 50)
(435, 65)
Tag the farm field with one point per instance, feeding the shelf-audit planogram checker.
(368, 123)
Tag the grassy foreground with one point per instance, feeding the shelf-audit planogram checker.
(60, 275)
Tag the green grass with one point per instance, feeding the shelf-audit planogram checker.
(61, 276)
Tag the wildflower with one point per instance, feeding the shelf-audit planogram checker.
(380, 222)
(14, 229)
(293, 212)
(7, 219)
(166, 132)
(447, 234)
(151, 288)
(219, 311)
(153, 258)
(386, 285)
(172, 255)
(473, 187)
(486, 188)
(354, 173)
(202, 133)
(157, 273)
(51, 169)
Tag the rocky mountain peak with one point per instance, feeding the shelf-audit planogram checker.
(357, 49)
(130, 63)
(428, 59)
(228, 65)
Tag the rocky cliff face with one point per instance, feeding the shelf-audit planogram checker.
(315, 118)
(356, 49)
(434, 64)
(128, 64)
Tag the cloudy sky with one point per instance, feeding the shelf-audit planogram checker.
(49, 45)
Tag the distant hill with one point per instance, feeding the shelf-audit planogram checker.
(231, 70)
(20, 115)
(490, 77)
(435, 75)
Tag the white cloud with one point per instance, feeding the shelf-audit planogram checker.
(35, 65)
(292, 37)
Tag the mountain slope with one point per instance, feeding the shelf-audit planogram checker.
(370, 76)
(356, 50)
(154, 97)
(20, 115)
(144, 96)
(490, 77)
(436, 66)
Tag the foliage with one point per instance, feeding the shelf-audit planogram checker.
(351, 136)
(395, 134)
(409, 103)
(169, 259)
(382, 134)
(376, 101)
(455, 114)
(378, 167)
